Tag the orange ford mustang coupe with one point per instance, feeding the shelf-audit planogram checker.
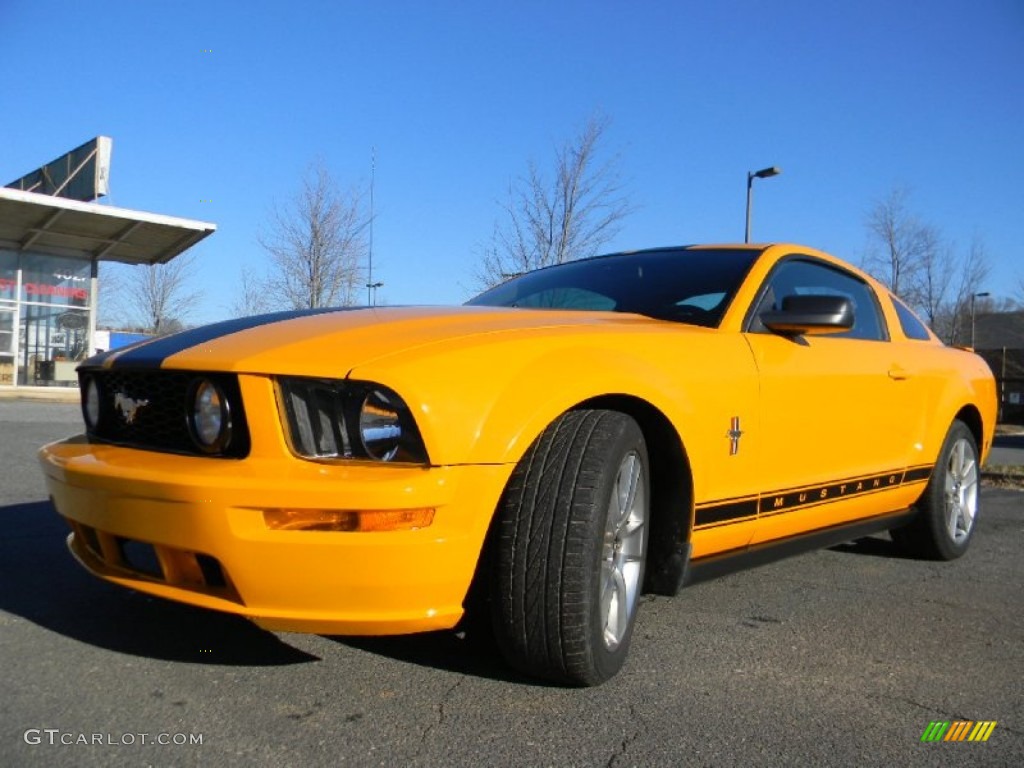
(568, 440)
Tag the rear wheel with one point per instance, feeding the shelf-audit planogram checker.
(571, 541)
(948, 508)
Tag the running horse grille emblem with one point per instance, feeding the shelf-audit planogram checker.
(128, 406)
(734, 434)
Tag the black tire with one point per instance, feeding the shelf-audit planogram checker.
(569, 560)
(948, 509)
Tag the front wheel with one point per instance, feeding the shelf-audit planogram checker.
(571, 542)
(948, 508)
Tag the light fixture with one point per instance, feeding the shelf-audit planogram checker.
(764, 173)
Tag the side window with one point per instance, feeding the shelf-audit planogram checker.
(912, 327)
(799, 277)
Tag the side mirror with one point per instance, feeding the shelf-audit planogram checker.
(812, 315)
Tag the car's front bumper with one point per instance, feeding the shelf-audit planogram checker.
(193, 529)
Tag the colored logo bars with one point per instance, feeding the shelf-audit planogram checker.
(958, 730)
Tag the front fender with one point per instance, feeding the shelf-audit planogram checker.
(486, 404)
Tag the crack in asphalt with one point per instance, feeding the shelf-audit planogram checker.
(906, 700)
(628, 740)
(442, 715)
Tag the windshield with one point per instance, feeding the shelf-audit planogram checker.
(687, 285)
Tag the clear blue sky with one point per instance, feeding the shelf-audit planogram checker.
(851, 99)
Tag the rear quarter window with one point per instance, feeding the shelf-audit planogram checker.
(912, 327)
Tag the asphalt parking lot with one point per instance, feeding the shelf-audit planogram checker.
(838, 657)
(1008, 449)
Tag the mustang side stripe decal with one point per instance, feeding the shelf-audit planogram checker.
(914, 474)
(151, 354)
(730, 511)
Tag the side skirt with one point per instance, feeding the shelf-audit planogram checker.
(713, 566)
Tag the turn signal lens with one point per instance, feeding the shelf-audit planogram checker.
(340, 520)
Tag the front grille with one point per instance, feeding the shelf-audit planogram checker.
(150, 409)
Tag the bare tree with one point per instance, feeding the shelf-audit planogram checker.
(912, 258)
(159, 297)
(908, 254)
(252, 297)
(549, 220)
(936, 277)
(110, 280)
(973, 271)
(317, 244)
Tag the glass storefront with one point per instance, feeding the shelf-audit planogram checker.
(8, 313)
(45, 305)
(6, 344)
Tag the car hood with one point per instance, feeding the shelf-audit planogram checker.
(331, 343)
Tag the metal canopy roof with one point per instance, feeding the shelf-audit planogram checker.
(29, 221)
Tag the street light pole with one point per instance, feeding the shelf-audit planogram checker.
(371, 290)
(974, 296)
(764, 173)
(371, 287)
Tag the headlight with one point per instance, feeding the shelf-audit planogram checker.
(346, 419)
(380, 426)
(210, 420)
(91, 404)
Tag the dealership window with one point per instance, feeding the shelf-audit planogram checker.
(44, 318)
(8, 309)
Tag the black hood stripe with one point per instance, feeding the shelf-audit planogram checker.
(152, 353)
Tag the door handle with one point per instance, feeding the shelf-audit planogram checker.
(898, 373)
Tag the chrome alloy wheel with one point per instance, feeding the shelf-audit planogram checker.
(623, 550)
(961, 488)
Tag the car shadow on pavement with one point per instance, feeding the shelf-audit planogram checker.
(41, 582)
(875, 546)
(448, 650)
